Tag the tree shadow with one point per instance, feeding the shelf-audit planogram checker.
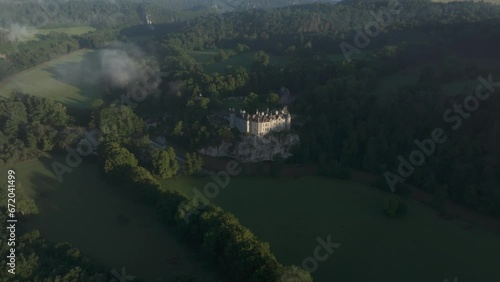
(85, 75)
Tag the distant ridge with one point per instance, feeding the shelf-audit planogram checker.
(436, 1)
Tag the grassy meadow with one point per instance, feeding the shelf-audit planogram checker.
(204, 57)
(291, 214)
(95, 218)
(69, 79)
(79, 30)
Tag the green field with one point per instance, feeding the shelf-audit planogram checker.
(113, 230)
(204, 57)
(290, 214)
(69, 79)
(68, 30)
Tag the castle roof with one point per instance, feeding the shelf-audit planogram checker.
(262, 116)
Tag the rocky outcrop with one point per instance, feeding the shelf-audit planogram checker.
(250, 149)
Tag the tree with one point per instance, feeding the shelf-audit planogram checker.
(116, 156)
(240, 48)
(140, 178)
(178, 129)
(43, 110)
(25, 204)
(204, 103)
(96, 104)
(273, 100)
(222, 56)
(192, 164)
(164, 163)
(261, 58)
(118, 121)
(251, 101)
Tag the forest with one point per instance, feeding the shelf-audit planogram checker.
(351, 121)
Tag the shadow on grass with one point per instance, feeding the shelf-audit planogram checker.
(106, 225)
(85, 75)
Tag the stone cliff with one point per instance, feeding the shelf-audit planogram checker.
(250, 149)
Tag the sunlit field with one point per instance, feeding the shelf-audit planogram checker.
(67, 79)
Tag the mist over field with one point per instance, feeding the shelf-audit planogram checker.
(120, 63)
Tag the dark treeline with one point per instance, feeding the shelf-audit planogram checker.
(113, 14)
(95, 13)
(331, 22)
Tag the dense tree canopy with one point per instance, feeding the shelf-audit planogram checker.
(118, 122)
(164, 163)
(192, 164)
(348, 122)
(29, 125)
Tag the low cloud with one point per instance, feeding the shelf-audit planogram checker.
(17, 32)
(122, 64)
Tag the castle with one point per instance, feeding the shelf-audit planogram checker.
(260, 123)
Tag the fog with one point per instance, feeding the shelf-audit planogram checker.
(121, 64)
(18, 32)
